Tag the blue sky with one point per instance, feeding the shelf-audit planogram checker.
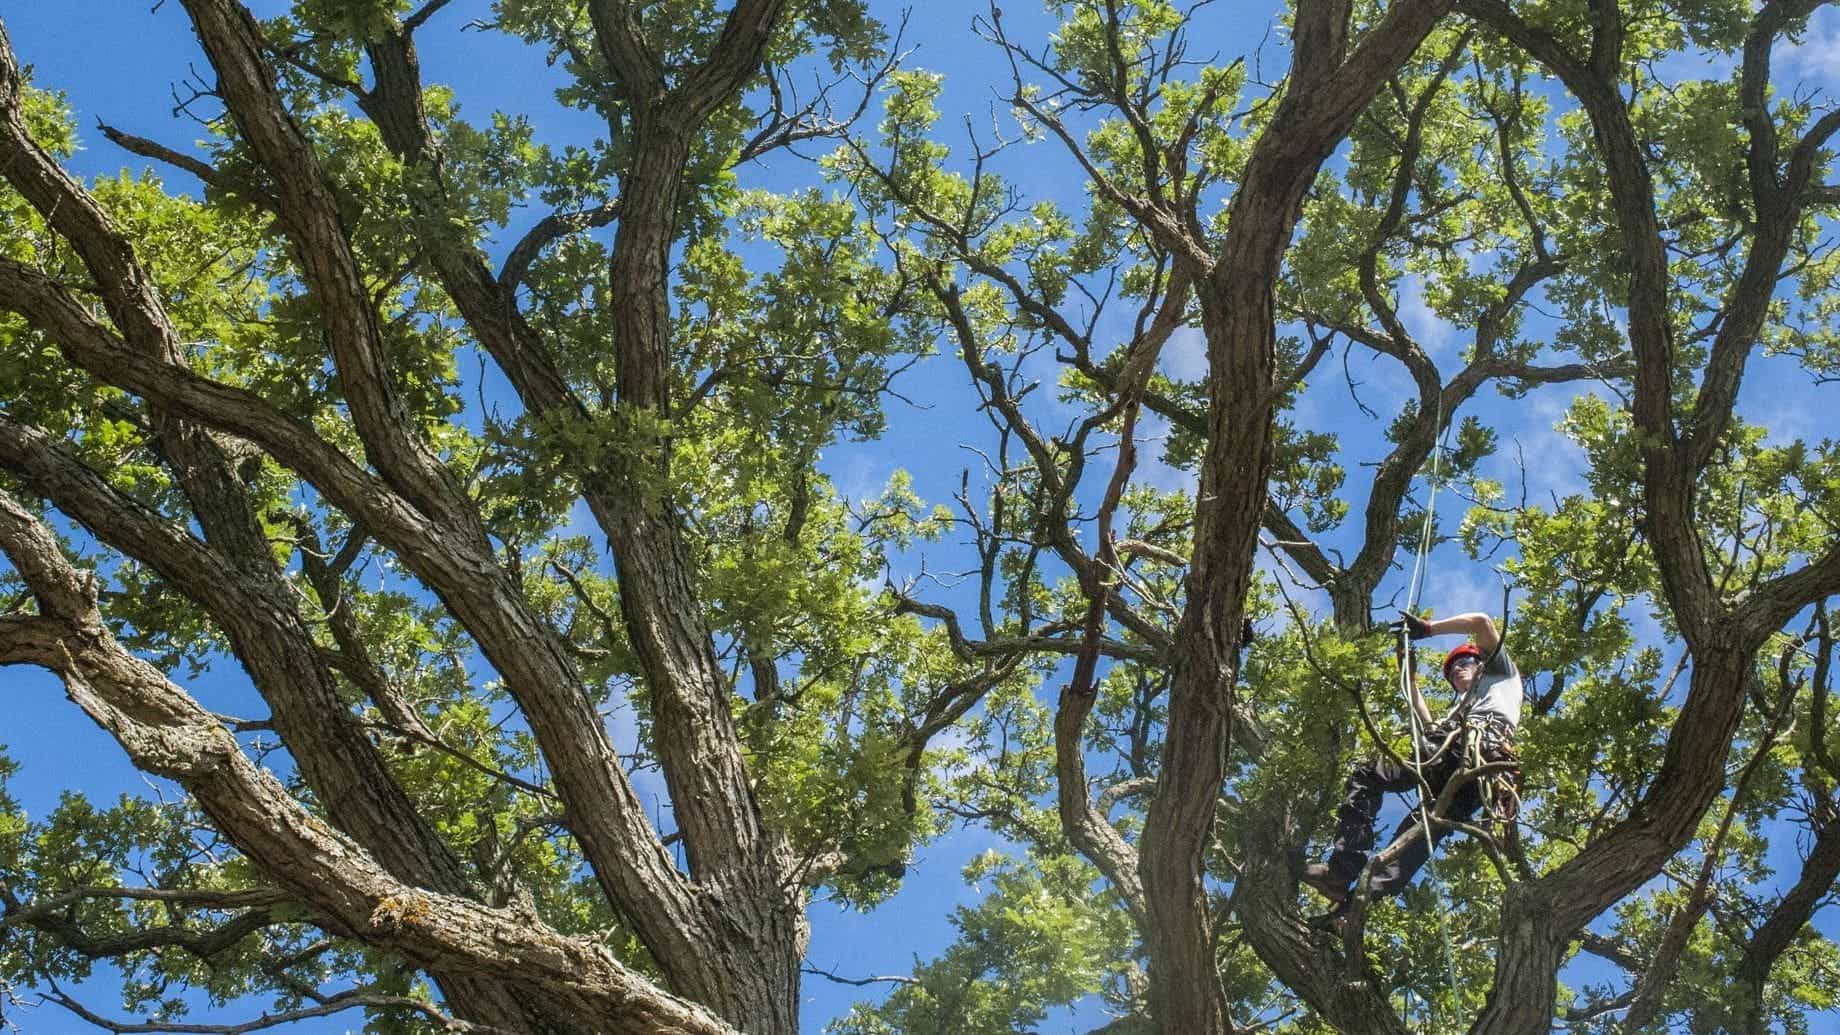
(119, 62)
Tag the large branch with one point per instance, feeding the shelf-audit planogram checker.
(1239, 322)
(166, 732)
(486, 302)
(637, 71)
(1790, 915)
(1539, 918)
(87, 343)
(257, 613)
(1667, 478)
(724, 839)
(746, 870)
(727, 849)
(235, 579)
(308, 208)
(604, 812)
(1347, 993)
(256, 610)
(1088, 827)
(1650, 987)
(450, 552)
(735, 59)
(1779, 205)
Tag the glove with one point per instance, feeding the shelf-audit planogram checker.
(1415, 627)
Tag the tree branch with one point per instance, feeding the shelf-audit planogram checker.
(165, 732)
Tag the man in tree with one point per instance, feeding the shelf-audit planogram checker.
(1488, 703)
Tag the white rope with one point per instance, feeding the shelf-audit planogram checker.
(1413, 588)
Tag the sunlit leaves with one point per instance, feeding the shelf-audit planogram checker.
(1039, 939)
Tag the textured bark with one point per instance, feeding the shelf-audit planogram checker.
(234, 578)
(752, 870)
(167, 733)
(734, 935)
(735, 938)
(1541, 918)
(750, 969)
(1324, 96)
(1345, 991)
(1089, 828)
(1785, 922)
(679, 922)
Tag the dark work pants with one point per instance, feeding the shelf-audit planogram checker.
(1367, 784)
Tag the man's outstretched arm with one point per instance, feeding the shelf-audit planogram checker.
(1476, 625)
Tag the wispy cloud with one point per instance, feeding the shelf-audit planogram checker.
(1432, 331)
(1184, 355)
(1817, 56)
(1548, 460)
(1454, 584)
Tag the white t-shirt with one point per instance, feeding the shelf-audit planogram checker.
(1497, 690)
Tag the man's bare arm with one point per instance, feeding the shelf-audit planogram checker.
(1476, 625)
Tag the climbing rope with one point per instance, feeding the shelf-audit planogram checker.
(1413, 587)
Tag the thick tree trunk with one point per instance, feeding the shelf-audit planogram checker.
(1540, 919)
(1526, 967)
(1347, 993)
(1185, 992)
(1324, 96)
(756, 934)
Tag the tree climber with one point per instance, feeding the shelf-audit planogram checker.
(1488, 707)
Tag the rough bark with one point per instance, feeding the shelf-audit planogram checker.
(745, 910)
(234, 578)
(1786, 920)
(1345, 991)
(1541, 918)
(167, 733)
(680, 922)
(1321, 101)
(732, 937)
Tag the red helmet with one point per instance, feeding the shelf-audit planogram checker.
(1462, 650)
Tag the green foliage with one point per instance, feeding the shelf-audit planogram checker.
(869, 725)
(1040, 938)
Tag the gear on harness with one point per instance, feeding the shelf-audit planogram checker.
(1483, 741)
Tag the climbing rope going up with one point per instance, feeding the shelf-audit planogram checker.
(1413, 587)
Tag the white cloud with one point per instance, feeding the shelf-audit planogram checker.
(1476, 259)
(1152, 433)
(1555, 465)
(1312, 600)
(858, 476)
(1696, 64)
(1152, 471)
(1184, 355)
(1433, 332)
(1817, 56)
(1454, 584)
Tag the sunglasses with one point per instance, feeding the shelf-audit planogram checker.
(1463, 663)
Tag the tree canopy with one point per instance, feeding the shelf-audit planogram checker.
(501, 473)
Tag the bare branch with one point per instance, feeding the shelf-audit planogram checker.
(210, 175)
(353, 999)
(549, 229)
